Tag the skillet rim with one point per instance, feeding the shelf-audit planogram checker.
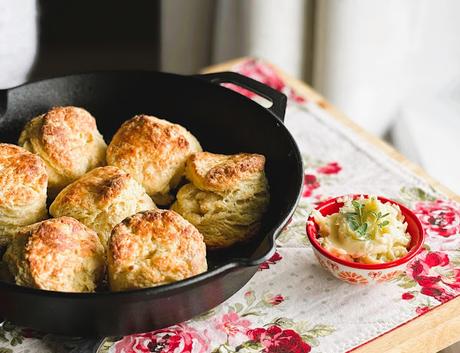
(234, 263)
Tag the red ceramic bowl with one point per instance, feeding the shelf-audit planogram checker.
(357, 273)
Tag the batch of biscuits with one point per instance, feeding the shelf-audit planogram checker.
(137, 213)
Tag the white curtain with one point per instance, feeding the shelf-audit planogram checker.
(196, 33)
(393, 66)
(18, 40)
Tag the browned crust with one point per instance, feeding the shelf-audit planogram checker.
(60, 131)
(154, 152)
(54, 251)
(219, 173)
(22, 175)
(48, 237)
(162, 225)
(148, 133)
(68, 141)
(105, 183)
(162, 242)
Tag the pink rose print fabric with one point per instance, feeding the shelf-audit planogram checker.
(275, 300)
(434, 273)
(315, 174)
(231, 324)
(437, 276)
(440, 217)
(310, 183)
(175, 339)
(272, 261)
(276, 340)
(330, 168)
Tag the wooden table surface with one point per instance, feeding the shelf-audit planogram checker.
(438, 328)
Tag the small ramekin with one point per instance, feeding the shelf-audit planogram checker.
(357, 273)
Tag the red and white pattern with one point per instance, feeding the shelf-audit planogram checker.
(440, 217)
(292, 305)
(174, 339)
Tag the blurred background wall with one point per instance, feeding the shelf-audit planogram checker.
(393, 66)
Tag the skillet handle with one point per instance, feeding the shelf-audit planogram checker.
(277, 98)
(263, 253)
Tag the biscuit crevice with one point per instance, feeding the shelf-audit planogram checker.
(154, 152)
(23, 185)
(101, 199)
(226, 197)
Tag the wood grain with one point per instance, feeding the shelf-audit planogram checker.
(436, 329)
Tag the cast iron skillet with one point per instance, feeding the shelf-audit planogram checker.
(224, 122)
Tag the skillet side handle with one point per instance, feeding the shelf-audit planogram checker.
(263, 253)
(278, 99)
(265, 250)
(3, 101)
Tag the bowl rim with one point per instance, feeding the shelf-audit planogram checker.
(415, 249)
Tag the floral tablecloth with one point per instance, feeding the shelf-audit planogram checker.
(292, 305)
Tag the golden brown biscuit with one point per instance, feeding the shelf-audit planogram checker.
(153, 248)
(101, 199)
(221, 173)
(58, 254)
(67, 140)
(227, 197)
(154, 152)
(23, 182)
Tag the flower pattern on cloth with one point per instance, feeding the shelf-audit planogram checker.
(232, 325)
(435, 275)
(271, 261)
(330, 168)
(439, 217)
(275, 340)
(174, 339)
(292, 305)
(310, 183)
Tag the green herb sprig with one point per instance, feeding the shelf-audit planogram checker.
(357, 220)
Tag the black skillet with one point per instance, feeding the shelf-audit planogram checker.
(224, 122)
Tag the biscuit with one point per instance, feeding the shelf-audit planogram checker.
(23, 183)
(153, 248)
(101, 199)
(226, 198)
(154, 152)
(59, 254)
(68, 141)
(222, 173)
